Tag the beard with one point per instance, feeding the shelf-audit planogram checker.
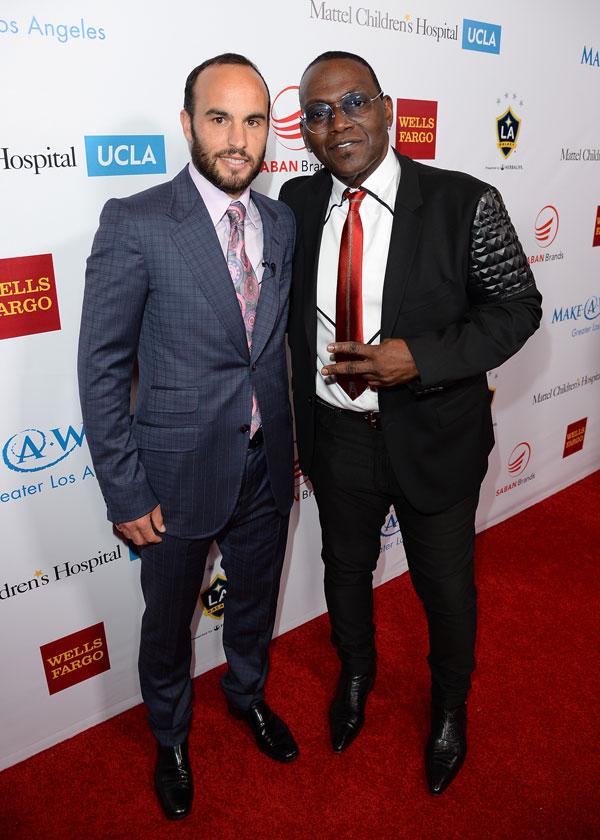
(206, 163)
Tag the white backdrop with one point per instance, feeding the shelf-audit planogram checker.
(114, 73)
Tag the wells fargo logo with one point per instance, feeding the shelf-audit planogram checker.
(574, 437)
(28, 302)
(75, 657)
(213, 598)
(416, 128)
(596, 241)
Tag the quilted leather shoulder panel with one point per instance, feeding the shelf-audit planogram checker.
(498, 266)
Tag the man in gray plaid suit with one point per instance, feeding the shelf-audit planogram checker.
(192, 278)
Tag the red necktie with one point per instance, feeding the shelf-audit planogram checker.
(348, 304)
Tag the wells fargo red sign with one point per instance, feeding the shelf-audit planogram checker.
(28, 302)
(416, 128)
(596, 241)
(75, 657)
(574, 437)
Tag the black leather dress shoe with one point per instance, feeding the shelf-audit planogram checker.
(446, 748)
(270, 733)
(347, 711)
(173, 780)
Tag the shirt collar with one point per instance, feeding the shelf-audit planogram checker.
(217, 201)
(385, 179)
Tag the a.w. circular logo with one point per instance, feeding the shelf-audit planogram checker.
(546, 226)
(34, 449)
(519, 458)
(285, 118)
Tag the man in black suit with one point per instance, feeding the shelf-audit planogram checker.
(409, 284)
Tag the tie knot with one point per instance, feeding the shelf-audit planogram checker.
(236, 213)
(354, 197)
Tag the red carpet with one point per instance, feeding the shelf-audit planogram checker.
(534, 762)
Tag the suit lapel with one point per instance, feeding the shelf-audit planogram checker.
(406, 230)
(268, 302)
(199, 244)
(314, 217)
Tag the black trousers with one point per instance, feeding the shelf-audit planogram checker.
(354, 485)
(253, 547)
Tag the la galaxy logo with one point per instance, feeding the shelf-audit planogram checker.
(213, 598)
(507, 130)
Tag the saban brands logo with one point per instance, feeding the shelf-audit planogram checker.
(213, 598)
(516, 465)
(285, 118)
(546, 230)
(416, 128)
(302, 486)
(481, 36)
(75, 658)
(285, 122)
(546, 226)
(596, 239)
(125, 154)
(574, 437)
(28, 300)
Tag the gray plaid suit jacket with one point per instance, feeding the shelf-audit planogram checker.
(158, 287)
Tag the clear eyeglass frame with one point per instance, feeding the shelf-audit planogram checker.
(348, 104)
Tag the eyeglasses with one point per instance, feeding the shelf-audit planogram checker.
(355, 105)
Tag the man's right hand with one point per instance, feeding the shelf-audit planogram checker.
(143, 530)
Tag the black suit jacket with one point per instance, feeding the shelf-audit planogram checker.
(459, 290)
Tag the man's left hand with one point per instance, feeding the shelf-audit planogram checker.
(380, 365)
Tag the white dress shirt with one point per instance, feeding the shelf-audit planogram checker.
(377, 229)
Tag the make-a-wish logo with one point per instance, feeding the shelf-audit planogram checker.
(125, 154)
(481, 36)
(32, 450)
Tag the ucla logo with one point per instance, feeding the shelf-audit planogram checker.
(507, 129)
(33, 449)
(126, 154)
(481, 36)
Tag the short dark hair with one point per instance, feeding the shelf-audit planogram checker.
(224, 58)
(331, 55)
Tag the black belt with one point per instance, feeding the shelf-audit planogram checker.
(371, 418)
(256, 439)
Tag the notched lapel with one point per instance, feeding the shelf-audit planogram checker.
(269, 302)
(314, 216)
(406, 230)
(196, 238)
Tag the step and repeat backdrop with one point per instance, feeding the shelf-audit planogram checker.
(90, 101)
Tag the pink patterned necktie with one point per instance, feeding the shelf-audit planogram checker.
(245, 283)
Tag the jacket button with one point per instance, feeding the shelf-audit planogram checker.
(245, 428)
(254, 366)
(311, 400)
